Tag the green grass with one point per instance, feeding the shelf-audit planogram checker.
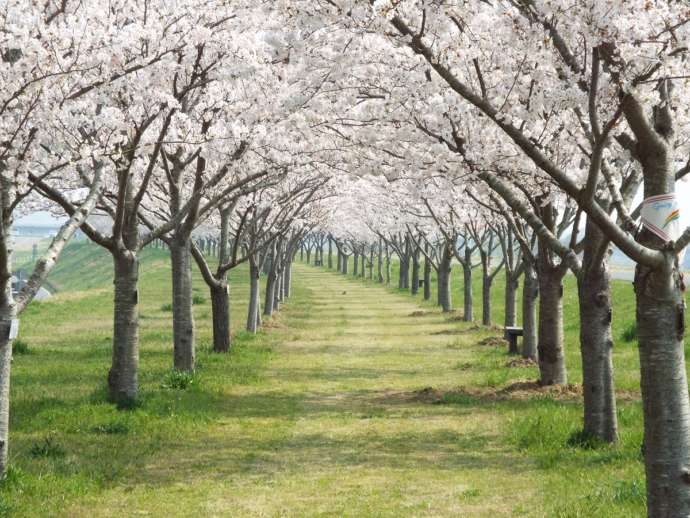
(343, 405)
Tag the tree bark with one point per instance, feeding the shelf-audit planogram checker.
(380, 263)
(551, 356)
(596, 340)
(486, 299)
(123, 375)
(427, 278)
(183, 315)
(512, 286)
(530, 294)
(287, 281)
(443, 279)
(414, 288)
(7, 313)
(404, 274)
(220, 309)
(659, 293)
(270, 294)
(468, 310)
(355, 271)
(254, 295)
(330, 254)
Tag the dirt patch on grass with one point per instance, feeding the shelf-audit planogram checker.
(524, 389)
(456, 318)
(519, 390)
(420, 313)
(521, 362)
(493, 341)
(427, 395)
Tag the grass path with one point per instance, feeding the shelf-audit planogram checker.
(336, 427)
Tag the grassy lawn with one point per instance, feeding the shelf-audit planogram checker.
(355, 401)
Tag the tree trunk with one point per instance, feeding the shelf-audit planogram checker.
(355, 271)
(596, 341)
(661, 331)
(530, 293)
(404, 274)
(270, 294)
(253, 311)
(220, 309)
(346, 261)
(364, 260)
(486, 299)
(183, 316)
(371, 263)
(330, 254)
(414, 288)
(388, 267)
(443, 275)
(287, 281)
(7, 313)
(551, 356)
(427, 279)
(123, 375)
(468, 302)
(512, 287)
(379, 266)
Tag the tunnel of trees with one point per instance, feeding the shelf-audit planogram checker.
(406, 142)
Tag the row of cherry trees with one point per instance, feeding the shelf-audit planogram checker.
(555, 115)
(454, 129)
(156, 122)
